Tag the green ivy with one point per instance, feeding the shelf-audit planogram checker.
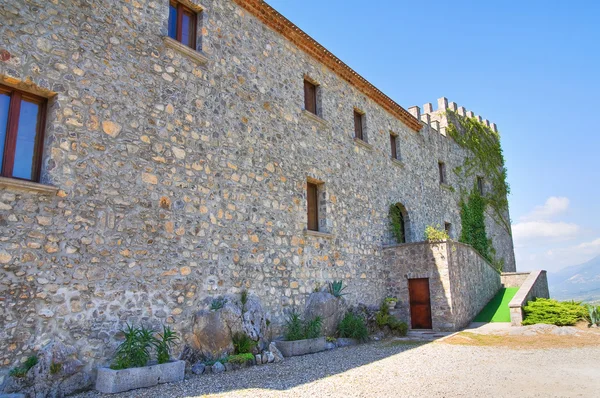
(473, 224)
(485, 158)
(397, 223)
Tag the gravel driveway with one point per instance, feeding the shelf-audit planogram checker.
(389, 369)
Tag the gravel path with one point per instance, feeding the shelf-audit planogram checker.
(386, 369)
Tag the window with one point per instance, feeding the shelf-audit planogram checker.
(312, 204)
(22, 119)
(310, 97)
(394, 145)
(359, 125)
(448, 228)
(480, 185)
(182, 24)
(442, 170)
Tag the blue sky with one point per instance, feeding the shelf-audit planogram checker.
(531, 67)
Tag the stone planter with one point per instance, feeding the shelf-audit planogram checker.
(346, 342)
(111, 381)
(392, 305)
(301, 347)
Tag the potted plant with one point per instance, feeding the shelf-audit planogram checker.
(391, 302)
(132, 367)
(301, 336)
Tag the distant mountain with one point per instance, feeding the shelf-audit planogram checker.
(578, 282)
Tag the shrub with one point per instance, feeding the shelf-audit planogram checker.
(21, 371)
(397, 223)
(433, 234)
(297, 329)
(552, 312)
(388, 300)
(383, 318)
(135, 350)
(336, 287)
(354, 327)
(242, 343)
(55, 368)
(240, 359)
(244, 300)
(217, 303)
(167, 340)
(312, 328)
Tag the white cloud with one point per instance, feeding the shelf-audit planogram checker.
(544, 229)
(554, 206)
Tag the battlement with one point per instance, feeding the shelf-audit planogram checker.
(436, 119)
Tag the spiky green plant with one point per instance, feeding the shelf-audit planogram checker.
(134, 351)
(594, 315)
(354, 327)
(242, 343)
(312, 328)
(217, 303)
(293, 328)
(21, 371)
(164, 344)
(336, 288)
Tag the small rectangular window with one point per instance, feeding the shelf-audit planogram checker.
(22, 117)
(394, 146)
(358, 125)
(442, 170)
(182, 24)
(480, 185)
(310, 97)
(448, 228)
(312, 204)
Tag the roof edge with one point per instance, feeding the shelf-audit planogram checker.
(280, 24)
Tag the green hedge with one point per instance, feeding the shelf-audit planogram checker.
(552, 312)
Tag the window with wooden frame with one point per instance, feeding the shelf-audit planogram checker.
(22, 122)
(310, 97)
(394, 145)
(312, 205)
(182, 24)
(480, 185)
(359, 131)
(442, 171)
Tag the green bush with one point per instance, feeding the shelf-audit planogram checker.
(163, 345)
(433, 234)
(354, 327)
(297, 329)
(384, 318)
(552, 312)
(21, 371)
(240, 359)
(242, 343)
(134, 352)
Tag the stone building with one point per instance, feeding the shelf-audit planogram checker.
(161, 153)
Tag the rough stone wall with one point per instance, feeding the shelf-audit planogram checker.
(180, 181)
(421, 260)
(474, 282)
(461, 282)
(513, 279)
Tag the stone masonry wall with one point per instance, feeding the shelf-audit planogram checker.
(513, 279)
(461, 282)
(474, 282)
(180, 181)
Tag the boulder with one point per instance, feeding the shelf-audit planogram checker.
(198, 368)
(218, 368)
(58, 373)
(331, 309)
(277, 355)
(212, 331)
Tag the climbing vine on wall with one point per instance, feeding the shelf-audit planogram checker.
(397, 223)
(486, 159)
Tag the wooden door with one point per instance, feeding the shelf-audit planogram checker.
(420, 303)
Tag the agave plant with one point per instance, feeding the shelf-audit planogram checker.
(336, 288)
(594, 318)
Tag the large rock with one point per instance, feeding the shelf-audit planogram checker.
(58, 373)
(331, 309)
(212, 331)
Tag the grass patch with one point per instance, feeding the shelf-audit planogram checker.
(497, 309)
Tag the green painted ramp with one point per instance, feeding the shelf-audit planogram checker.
(497, 309)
